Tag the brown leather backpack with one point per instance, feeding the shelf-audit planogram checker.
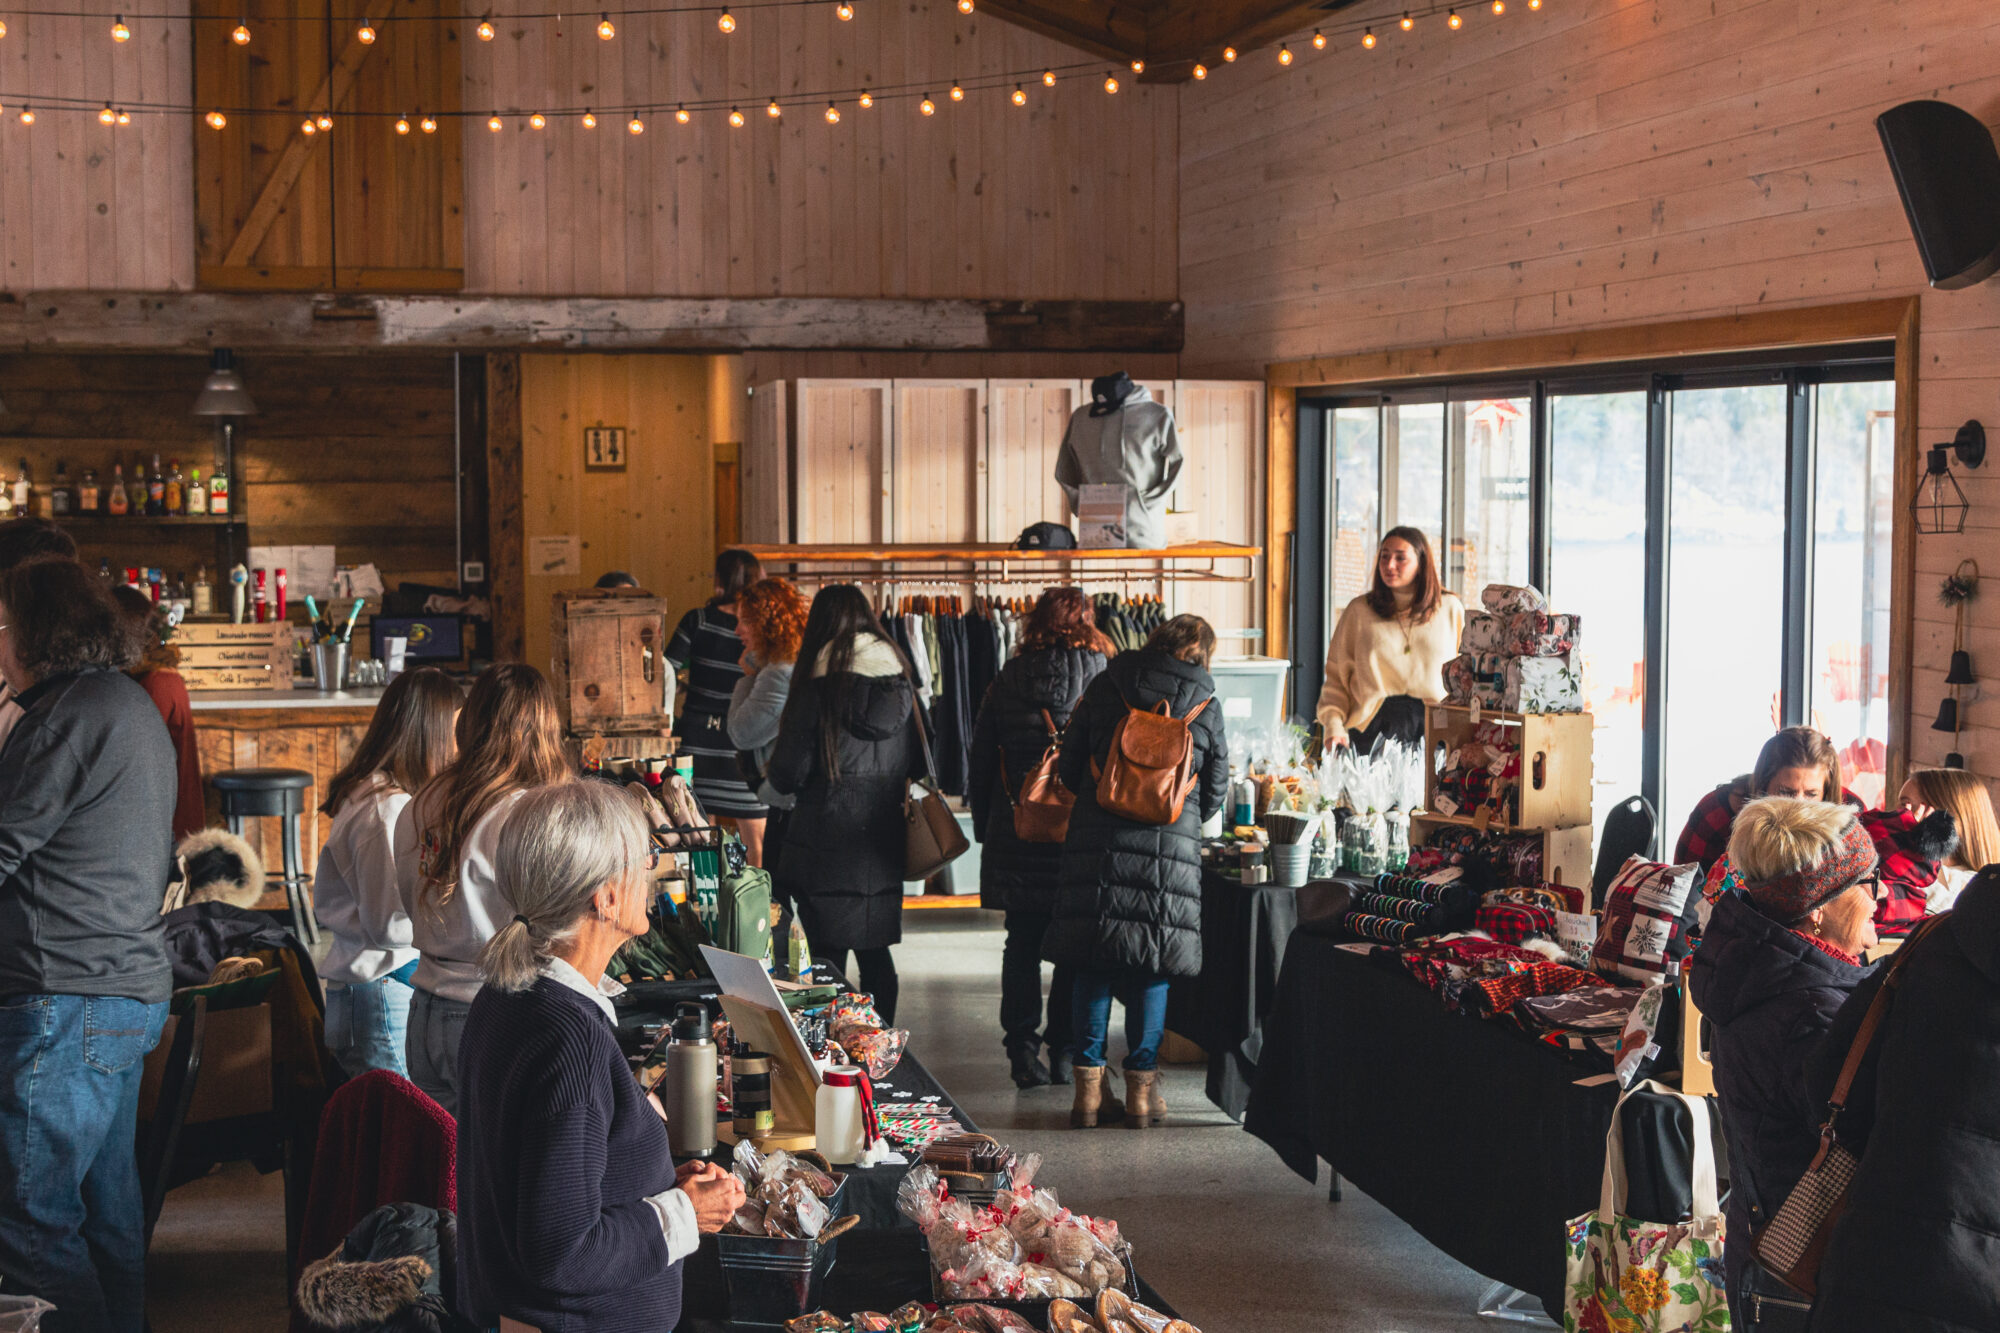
(1041, 811)
(1149, 772)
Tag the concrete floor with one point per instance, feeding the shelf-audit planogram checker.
(1219, 1225)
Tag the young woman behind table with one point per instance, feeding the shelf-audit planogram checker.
(771, 619)
(1965, 796)
(1061, 652)
(847, 746)
(1386, 659)
(509, 742)
(153, 658)
(1774, 967)
(1797, 762)
(1128, 897)
(707, 646)
(371, 959)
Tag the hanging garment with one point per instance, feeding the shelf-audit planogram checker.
(1134, 445)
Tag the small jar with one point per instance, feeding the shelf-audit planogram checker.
(1397, 848)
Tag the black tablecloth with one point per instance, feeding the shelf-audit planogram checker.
(1480, 1138)
(1243, 934)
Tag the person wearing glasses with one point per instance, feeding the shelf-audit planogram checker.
(1775, 965)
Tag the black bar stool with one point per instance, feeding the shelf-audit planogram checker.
(281, 793)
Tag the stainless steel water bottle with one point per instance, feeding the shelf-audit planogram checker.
(688, 1089)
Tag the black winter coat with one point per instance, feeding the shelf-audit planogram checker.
(1016, 876)
(1919, 1246)
(842, 861)
(1128, 895)
(1770, 997)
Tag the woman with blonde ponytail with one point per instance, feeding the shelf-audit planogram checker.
(509, 742)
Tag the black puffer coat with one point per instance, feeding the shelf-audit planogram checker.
(842, 861)
(1016, 876)
(1919, 1246)
(1770, 996)
(1128, 895)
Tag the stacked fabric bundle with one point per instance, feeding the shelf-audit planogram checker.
(1401, 909)
(1518, 656)
(1489, 860)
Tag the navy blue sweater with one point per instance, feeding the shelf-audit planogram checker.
(557, 1154)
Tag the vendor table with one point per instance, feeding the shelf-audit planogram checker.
(1483, 1140)
(1243, 933)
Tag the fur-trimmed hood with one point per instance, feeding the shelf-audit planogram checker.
(221, 868)
(386, 1275)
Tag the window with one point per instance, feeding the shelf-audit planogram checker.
(1487, 496)
(1413, 464)
(1357, 503)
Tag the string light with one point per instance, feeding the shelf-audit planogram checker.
(774, 110)
(589, 119)
(605, 31)
(965, 6)
(957, 93)
(1020, 98)
(216, 120)
(537, 121)
(1138, 67)
(726, 23)
(484, 31)
(107, 116)
(306, 128)
(1499, 6)
(1048, 78)
(1532, 4)
(119, 32)
(1368, 40)
(240, 34)
(681, 116)
(735, 118)
(366, 34)
(928, 107)
(27, 114)
(1111, 83)
(3, 27)
(1453, 21)
(325, 121)
(1408, 22)
(1284, 54)
(867, 100)
(635, 126)
(124, 116)
(1200, 70)
(402, 124)
(843, 11)
(428, 125)
(1229, 54)
(832, 114)
(1319, 40)
(493, 122)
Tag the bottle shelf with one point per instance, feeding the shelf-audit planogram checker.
(151, 520)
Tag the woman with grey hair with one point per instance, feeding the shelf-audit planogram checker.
(571, 1214)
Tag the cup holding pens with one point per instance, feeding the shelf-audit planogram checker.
(330, 665)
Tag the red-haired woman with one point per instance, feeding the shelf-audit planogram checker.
(1024, 712)
(1388, 652)
(771, 621)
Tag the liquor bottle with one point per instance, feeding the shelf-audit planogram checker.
(218, 493)
(24, 491)
(203, 600)
(115, 501)
(176, 490)
(156, 490)
(61, 497)
(136, 495)
(197, 494)
(90, 496)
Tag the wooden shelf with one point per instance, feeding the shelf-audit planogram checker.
(936, 901)
(889, 553)
(151, 520)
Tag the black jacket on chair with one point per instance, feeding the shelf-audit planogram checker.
(842, 861)
(1919, 1245)
(1128, 896)
(1770, 997)
(1016, 876)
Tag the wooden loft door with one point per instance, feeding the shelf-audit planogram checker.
(357, 207)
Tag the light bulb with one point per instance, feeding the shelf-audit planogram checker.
(1020, 98)
(832, 114)
(1284, 54)
(1319, 40)
(325, 121)
(681, 116)
(635, 126)
(537, 121)
(965, 6)
(1138, 67)
(493, 123)
(1368, 40)
(605, 31)
(1408, 22)
(216, 120)
(484, 31)
(1453, 21)
(867, 100)
(735, 118)
(1048, 78)
(774, 110)
(1532, 4)
(27, 115)
(366, 33)
(306, 128)
(1229, 53)
(589, 119)
(957, 93)
(428, 125)
(843, 11)
(107, 116)
(1111, 83)
(240, 34)
(1499, 6)
(124, 116)
(1200, 70)
(119, 32)
(726, 23)
(928, 107)
(402, 124)
(3, 33)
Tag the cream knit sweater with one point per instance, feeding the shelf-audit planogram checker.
(1371, 658)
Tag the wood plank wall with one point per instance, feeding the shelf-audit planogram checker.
(1600, 162)
(84, 204)
(1073, 195)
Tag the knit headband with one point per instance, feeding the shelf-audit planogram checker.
(1788, 899)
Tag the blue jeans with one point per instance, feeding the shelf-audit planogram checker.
(72, 1219)
(1145, 999)
(436, 1026)
(367, 1023)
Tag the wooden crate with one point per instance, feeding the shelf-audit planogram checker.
(1556, 764)
(1566, 855)
(608, 661)
(235, 657)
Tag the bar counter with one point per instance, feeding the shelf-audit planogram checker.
(298, 728)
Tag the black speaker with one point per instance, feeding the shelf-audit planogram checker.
(1948, 173)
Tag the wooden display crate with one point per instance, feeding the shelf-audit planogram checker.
(1556, 763)
(1566, 857)
(235, 657)
(608, 662)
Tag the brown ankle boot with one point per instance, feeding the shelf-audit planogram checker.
(1143, 1107)
(1094, 1103)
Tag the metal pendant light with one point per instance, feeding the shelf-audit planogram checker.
(1940, 504)
(223, 394)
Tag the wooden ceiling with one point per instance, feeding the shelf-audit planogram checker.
(1169, 35)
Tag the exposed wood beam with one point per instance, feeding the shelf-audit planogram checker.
(1116, 32)
(291, 163)
(1200, 31)
(273, 322)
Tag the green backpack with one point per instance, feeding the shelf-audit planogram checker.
(742, 921)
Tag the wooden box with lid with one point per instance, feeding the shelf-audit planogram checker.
(609, 667)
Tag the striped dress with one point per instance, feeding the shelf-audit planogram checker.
(706, 645)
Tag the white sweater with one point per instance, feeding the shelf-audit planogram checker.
(355, 889)
(449, 935)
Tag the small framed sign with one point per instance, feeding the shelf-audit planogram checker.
(603, 448)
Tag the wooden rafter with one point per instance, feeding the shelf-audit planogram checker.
(1116, 32)
(1170, 35)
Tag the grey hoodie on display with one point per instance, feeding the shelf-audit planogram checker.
(1135, 446)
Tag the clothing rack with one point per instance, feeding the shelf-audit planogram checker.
(1196, 562)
